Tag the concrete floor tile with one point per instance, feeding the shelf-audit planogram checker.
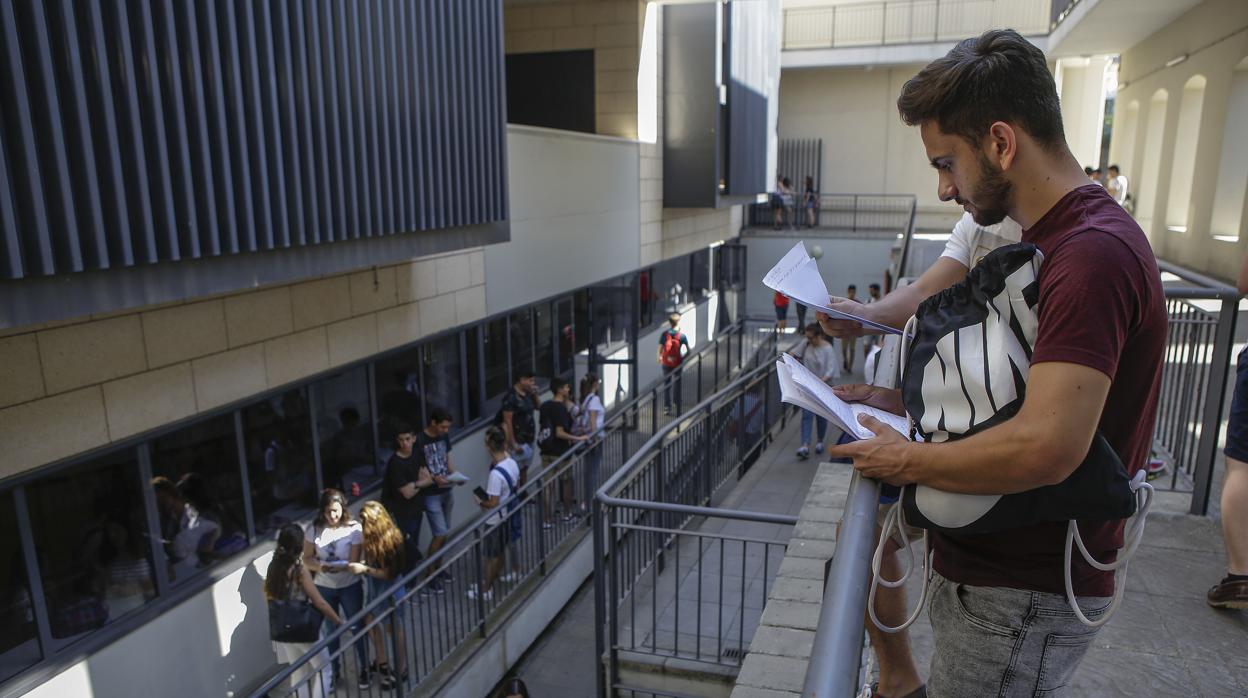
(1110, 672)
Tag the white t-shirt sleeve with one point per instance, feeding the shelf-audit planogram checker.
(495, 486)
(961, 240)
(357, 534)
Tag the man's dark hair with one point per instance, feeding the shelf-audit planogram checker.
(997, 76)
(874, 287)
(852, 287)
(1088, 171)
(1115, 168)
(403, 428)
(522, 375)
(437, 415)
(556, 384)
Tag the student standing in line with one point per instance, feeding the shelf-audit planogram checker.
(590, 416)
(555, 439)
(499, 488)
(810, 202)
(1232, 591)
(401, 487)
(433, 452)
(515, 416)
(288, 579)
(849, 345)
(818, 356)
(331, 543)
(384, 562)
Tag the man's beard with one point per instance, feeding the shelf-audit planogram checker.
(991, 195)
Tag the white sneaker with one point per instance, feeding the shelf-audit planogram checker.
(473, 593)
(819, 447)
(803, 453)
(510, 577)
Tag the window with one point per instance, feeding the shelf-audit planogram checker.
(91, 540)
(443, 376)
(564, 320)
(670, 286)
(200, 503)
(1187, 140)
(472, 345)
(700, 274)
(544, 340)
(19, 644)
(497, 365)
(281, 468)
(520, 329)
(400, 392)
(344, 425)
(580, 320)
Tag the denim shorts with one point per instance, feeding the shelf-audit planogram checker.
(993, 641)
(523, 456)
(1237, 422)
(438, 509)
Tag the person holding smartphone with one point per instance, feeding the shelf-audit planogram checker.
(331, 543)
(501, 486)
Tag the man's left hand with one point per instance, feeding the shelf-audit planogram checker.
(882, 458)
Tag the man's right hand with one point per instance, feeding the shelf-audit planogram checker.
(845, 328)
(887, 399)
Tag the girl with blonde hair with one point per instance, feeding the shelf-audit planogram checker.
(384, 562)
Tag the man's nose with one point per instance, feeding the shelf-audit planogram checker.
(945, 190)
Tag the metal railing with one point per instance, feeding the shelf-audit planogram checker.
(859, 213)
(645, 554)
(895, 22)
(1194, 379)
(431, 616)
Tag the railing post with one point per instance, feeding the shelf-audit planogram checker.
(1211, 419)
(480, 574)
(855, 226)
(541, 523)
(600, 596)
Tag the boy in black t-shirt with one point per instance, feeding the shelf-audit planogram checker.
(555, 439)
(433, 450)
(400, 489)
(516, 419)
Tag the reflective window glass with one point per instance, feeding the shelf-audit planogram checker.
(19, 643)
(344, 422)
(400, 390)
(567, 336)
(580, 319)
(281, 468)
(543, 340)
(472, 345)
(520, 328)
(443, 380)
(92, 543)
(497, 370)
(199, 496)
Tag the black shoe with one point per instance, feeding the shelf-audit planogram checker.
(388, 679)
(366, 680)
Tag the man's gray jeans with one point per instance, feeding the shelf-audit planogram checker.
(993, 641)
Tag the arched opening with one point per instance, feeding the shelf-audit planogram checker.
(1228, 197)
(1122, 150)
(1146, 204)
(1187, 138)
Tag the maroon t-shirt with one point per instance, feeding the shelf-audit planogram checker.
(1101, 306)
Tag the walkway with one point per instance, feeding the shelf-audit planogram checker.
(561, 662)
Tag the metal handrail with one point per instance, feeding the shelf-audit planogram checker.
(480, 527)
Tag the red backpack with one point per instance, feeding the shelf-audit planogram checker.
(671, 349)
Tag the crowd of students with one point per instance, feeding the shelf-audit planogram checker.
(340, 561)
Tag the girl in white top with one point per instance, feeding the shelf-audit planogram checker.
(590, 418)
(817, 355)
(333, 541)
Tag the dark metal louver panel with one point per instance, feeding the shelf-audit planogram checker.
(141, 131)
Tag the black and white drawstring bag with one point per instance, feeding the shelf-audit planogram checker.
(966, 356)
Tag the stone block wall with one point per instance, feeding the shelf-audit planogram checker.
(75, 385)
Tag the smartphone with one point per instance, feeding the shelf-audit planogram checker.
(480, 493)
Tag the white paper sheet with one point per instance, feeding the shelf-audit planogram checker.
(796, 275)
(800, 387)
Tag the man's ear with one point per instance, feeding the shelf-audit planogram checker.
(1002, 144)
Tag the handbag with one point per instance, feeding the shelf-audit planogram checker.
(966, 359)
(294, 620)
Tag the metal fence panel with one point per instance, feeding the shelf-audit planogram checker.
(141, 132)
